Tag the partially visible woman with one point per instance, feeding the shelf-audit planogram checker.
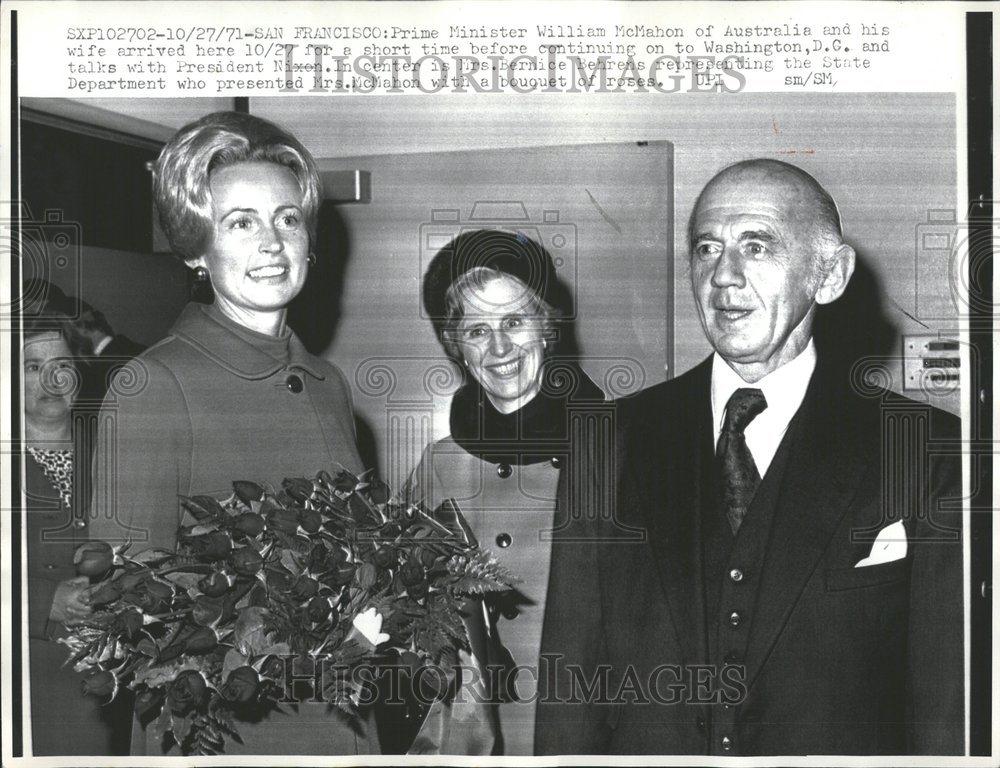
(501, 314)
(230, 393)
(63, 722)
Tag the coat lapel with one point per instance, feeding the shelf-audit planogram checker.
(677, 457)
(823, 470)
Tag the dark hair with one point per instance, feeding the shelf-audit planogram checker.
(92, 320)
(182, 172)
(52, 321)
(45, 308)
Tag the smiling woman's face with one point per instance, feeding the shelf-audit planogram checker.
(502, 339)
(258, 256)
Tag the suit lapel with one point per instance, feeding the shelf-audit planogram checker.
(822, 469)
(673, 478)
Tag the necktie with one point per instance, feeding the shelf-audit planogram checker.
(736, 466)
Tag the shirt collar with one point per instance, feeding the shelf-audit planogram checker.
(102, 344)
(783, 388)
(210, 332)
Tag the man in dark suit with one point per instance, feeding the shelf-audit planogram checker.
(800, 587)
(111, 352)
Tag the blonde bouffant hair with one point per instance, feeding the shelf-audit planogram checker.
(183, 170)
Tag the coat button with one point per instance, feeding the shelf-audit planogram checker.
(727, 743)
(294, 384)
(735, 619)
(700, 723)
(556, 462)
(504, 470)
(49, 567)
(736, 575)
(504, 540)
(79, 523)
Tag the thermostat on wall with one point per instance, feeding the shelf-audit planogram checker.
(930, 360)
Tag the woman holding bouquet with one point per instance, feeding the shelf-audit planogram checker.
(516, 462)
(230, 393)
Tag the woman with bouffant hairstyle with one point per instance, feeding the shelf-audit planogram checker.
(181, 187)
(231, 393)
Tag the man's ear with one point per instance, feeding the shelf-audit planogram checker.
(837, 274)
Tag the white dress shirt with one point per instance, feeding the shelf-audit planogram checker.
(783, 389)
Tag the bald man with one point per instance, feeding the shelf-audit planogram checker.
(800, 587)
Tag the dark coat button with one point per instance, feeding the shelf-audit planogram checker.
(79, 523)
(727, 743)
(504, 470)
(736, 575)
(735, 619)
(700, 723)
(556, 462)
(504, 540)
(294, 384)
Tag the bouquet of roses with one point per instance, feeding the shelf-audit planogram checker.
(328, 571)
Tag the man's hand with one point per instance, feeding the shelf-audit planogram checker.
(70, 604)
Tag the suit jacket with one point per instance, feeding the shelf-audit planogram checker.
(839, 660)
